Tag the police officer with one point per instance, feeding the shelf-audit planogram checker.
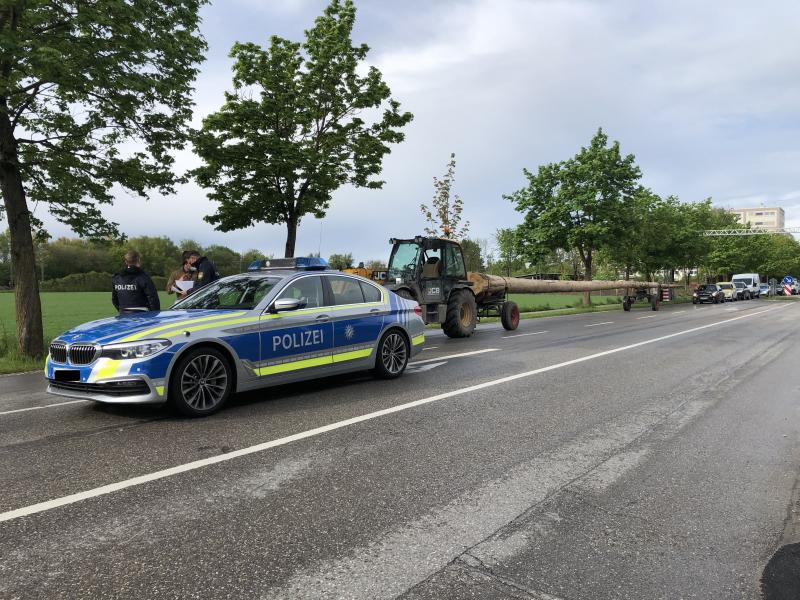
(206, 270)
(133, 289)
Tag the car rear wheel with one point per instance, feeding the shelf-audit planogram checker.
(392, 356)
(201, 383)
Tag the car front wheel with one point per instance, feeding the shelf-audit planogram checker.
(201, 383)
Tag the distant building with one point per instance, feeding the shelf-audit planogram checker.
(773, 217)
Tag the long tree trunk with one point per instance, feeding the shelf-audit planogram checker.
(26, 287)
(291, 236)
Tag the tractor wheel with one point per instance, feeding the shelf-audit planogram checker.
(509, 316)
(462, 315)
(626, 304)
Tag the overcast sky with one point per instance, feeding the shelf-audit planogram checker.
(705, 94)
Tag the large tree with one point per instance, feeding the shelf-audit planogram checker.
(93, 94)
(295, 127)
(578, 204)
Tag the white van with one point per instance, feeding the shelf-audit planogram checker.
(751, 281)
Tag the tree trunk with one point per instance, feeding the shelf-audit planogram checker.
(587, 263)
(291, 236)
(26, 287)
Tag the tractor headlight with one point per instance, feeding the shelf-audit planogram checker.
(139, 349)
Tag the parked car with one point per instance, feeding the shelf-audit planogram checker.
(765, 290)
(742, 293)
(709, 292)
(751, 280)
(729, 291)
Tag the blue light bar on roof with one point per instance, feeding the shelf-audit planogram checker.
(300, 263)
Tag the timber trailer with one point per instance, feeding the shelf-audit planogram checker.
(432, 272)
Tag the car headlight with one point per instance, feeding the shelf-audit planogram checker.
(139, 349)
(695, 294)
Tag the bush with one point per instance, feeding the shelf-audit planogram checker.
(79, 282)
(90, 282)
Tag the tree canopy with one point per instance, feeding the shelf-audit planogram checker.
(92, 95)
(578, 204)
(295, 127)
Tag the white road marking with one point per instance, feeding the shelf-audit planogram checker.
(430, 348)
(648, 317)
(596, 324)
(423, 368)
(505, 337)
(197, 464)
(678, 312)
(19, 410)
(427, 360)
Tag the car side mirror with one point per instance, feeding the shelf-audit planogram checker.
(287, 304)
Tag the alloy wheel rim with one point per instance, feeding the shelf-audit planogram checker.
(204, 382)
(394, 353)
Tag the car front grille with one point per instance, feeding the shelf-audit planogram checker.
(82, 354)
(58, 352)
(130, 387)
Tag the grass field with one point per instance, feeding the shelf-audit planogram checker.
(537, 302)
(61, 311)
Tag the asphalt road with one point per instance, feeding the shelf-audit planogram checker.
(608, 455)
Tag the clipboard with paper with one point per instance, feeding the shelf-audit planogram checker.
(182, 287)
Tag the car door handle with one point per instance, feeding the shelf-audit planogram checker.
(322, 318)
(375, 310)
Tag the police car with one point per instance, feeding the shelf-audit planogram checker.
(284, 320)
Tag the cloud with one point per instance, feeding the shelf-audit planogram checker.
(704, 94)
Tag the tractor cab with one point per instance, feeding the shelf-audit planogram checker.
(432, 272)
(428, 268)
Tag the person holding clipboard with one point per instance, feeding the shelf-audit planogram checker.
(181, 281)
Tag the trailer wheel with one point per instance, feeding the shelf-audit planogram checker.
(462, 315)
(626, 304)
(509, 316)
(655, 304)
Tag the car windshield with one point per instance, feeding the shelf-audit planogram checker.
(234, 293)
(744, 281)
(739, 284)
(709, 288)
(725, 286)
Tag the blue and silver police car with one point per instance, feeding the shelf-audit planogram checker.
(284, 320)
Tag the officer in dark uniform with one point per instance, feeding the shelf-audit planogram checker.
(206, 270)
(133, 289)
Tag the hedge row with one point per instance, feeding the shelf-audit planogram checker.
(89, 282)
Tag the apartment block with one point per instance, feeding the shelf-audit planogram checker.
(761, 217)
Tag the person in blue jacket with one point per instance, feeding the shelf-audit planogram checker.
(206, 270)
